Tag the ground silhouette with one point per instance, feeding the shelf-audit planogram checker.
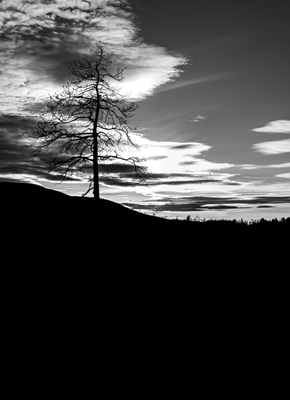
(159, 292)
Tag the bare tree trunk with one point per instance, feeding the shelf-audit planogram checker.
(96, 169)
(85, 119)
(95, 136)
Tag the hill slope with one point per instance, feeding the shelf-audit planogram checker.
(189, 291)
(21, 198)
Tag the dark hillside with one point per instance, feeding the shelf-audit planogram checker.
(160, 293)
(27, 200)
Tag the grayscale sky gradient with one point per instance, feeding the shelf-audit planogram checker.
(213, 85)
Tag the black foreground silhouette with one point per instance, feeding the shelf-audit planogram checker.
(91, 279)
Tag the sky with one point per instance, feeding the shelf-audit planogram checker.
(212, 82)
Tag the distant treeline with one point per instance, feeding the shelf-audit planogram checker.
(262, 221)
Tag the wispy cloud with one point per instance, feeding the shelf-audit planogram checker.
(17, 161)
(286, 175)
(274, 147)
(39, 40)
(199, 118)
(253, 166)
(170, 164)
(279, 126)
(204, 203)
(175, 157)
(202, 79)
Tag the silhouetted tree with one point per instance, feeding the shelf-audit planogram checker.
(86, 122)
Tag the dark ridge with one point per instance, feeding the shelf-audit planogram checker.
(155, 293)
(27, 193)
(20, 197)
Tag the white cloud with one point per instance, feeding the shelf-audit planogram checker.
(286, 175)
(168, 156)
(148, 67)
(40, 41)
(279, 126)
(274, 147)
(177, 161)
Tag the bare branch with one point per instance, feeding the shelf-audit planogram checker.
(87, 121)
